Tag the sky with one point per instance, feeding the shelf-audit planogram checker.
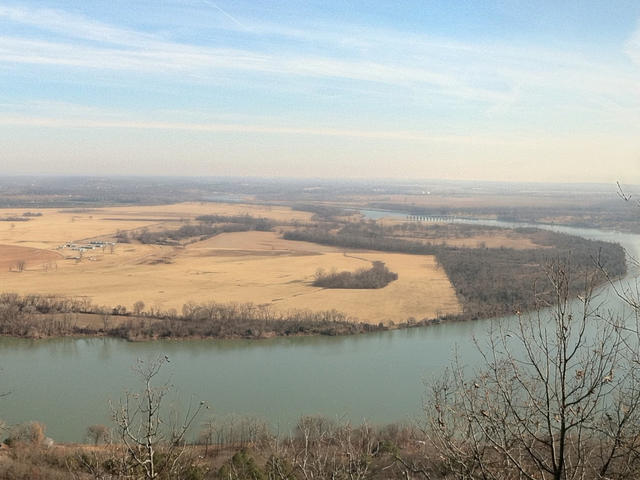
(501, 90)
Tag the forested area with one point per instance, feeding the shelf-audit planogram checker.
(254, 223)
(322, 212)
(488, 281)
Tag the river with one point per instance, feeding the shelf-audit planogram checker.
(379, 377)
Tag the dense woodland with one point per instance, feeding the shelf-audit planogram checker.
(322, 212)
(488, 281)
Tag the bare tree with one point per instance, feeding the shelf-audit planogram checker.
(324, 449)
(628, 292)
(557, 397)
(98, 434)
(138, 307)
(624, 195)
(29, 432)
(143, 429)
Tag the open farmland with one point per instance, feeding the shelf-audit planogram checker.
(14, 257)
(258, 267)
(56, 226)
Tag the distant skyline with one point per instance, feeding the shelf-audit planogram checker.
(495, 90)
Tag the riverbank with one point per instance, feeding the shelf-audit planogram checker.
(23, 317)
(36, 316)
(130, 328)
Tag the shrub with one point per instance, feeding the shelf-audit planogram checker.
(30, 432)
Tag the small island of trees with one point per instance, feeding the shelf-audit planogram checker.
(378, 276)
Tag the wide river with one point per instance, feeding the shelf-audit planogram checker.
(380, 377)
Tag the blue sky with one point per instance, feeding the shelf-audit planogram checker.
(501, 90)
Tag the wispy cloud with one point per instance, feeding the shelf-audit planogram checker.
(204, 69)
(75, 26)
(158, 60)
(633, 46)
(84, 123)
(484, 73)
(406, 68)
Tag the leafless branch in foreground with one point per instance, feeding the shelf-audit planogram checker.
(557, 396)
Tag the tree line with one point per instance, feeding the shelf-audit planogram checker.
(260, 224)
(44, 316)
(208, 226)
(322, 212)
(488, 281)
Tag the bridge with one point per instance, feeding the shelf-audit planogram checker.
(432, 218)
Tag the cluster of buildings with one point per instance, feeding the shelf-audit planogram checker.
(94, 245)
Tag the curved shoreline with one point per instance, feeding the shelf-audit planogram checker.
(76, 318)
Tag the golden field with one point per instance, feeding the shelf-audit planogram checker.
(58, 226)
(258, 267)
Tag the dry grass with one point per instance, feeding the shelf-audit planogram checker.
(11, 255)
(257, 267)
(59, 226)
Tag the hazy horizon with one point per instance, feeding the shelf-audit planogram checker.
(498, 91)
